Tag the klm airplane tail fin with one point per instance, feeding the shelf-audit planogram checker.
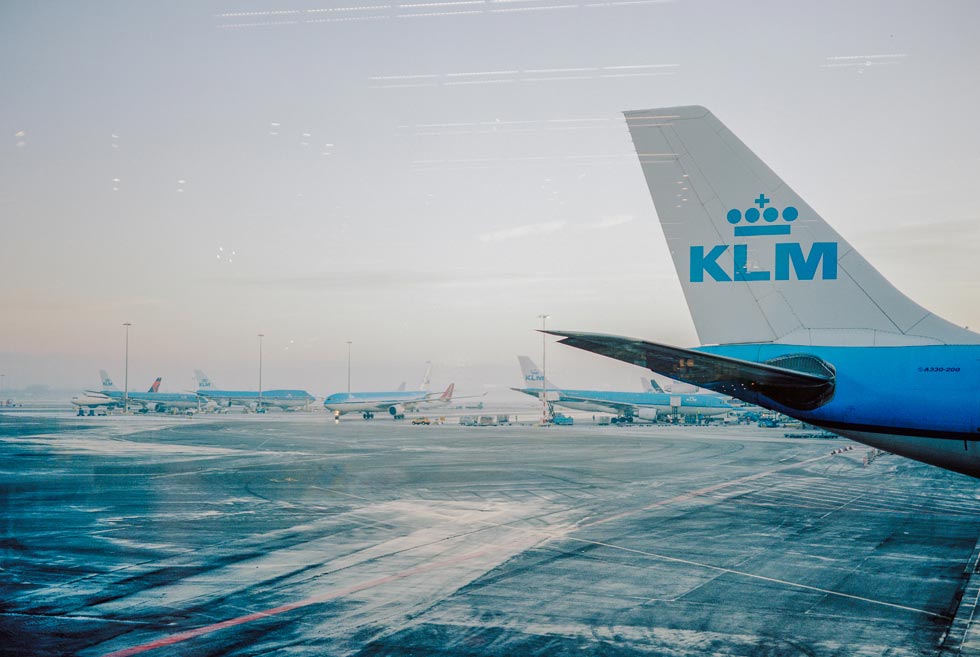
(649, 385)
(107, 383)
(533, 376)
(756, 263)
(156, 385)
(203, 382)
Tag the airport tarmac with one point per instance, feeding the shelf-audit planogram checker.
(288, 534)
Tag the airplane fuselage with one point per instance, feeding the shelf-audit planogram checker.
(374, 402)
(922, 402)
(156, 400)
(278, 398)
(92, 399)
(599, 401)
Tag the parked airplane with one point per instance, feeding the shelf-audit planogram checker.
(394, 403)
(626, 406)
(92, 401)
(111, 397)
(284, 399)
(790, 316)
(168, 402)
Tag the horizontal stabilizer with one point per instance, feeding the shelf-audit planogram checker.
(782, 380)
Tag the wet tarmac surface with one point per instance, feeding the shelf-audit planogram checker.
(291, 535)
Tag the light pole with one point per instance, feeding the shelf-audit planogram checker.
(258, 408)
(544, 370)
(2, 388)
(348, 366)
(126, 370)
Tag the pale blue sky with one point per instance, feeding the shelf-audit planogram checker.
(426, 179)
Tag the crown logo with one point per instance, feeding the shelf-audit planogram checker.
(769, 215)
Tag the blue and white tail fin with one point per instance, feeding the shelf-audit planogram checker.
(107, 383)
(533, 376)
(649, 385)
(756, 263)
(203, 382)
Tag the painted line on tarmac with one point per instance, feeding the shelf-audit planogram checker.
(772, 580)
(233, 622)
(684, 497)
(281, 609)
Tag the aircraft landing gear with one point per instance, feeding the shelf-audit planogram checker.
(367, 415)
(400, 416)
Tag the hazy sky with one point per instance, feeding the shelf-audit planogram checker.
(426, 178)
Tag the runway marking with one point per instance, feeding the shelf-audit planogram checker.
(773, 580)
(703, 491)
(821, 492)
(550, 535)
(281, 609)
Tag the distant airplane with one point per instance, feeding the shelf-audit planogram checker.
(284, 399)
(111, 397)
(92, 401)
(626, 406)
(166, 402)
(395, 403)
(791, 316)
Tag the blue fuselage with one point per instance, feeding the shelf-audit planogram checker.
(629, 403)
(163, 400)
(919, 401)
(279, 398)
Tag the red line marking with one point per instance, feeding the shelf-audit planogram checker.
(232, 622)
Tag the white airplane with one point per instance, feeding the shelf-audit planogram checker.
(395, 403)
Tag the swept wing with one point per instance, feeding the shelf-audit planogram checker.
(801, 382)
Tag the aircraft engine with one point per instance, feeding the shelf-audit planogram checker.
(648, 414)
(396, 410)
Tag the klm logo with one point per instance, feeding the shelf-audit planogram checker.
(534, 375)
(791, 263)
